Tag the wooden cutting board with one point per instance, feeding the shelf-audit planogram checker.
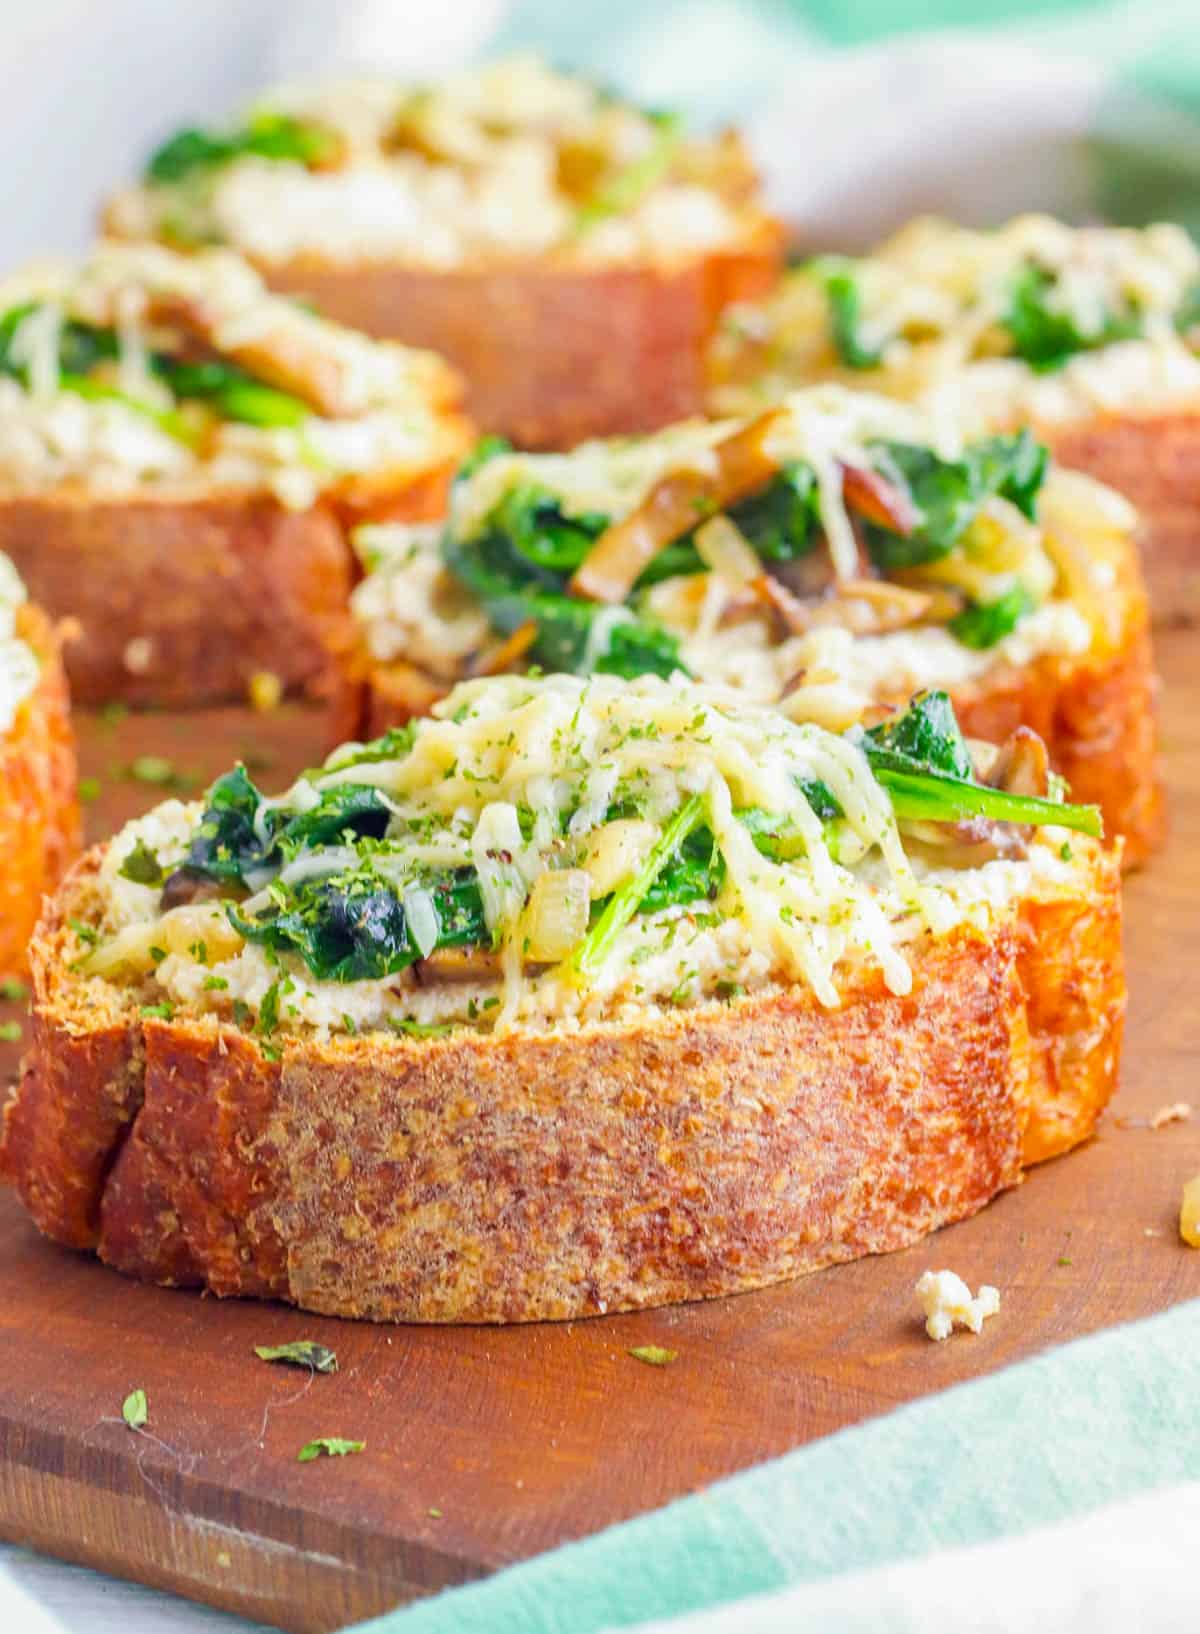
(485, 1446)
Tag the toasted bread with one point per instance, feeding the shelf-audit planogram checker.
(695, 1152)
(180, 601)
(182, 485)
(39, 813)
(553, 353)
(1093, 701)
(1154, 460)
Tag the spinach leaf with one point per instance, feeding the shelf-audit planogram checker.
(270, 136)
(1187, 315)
(947, 494)
(487, 448)
(353, 927)
(922, 761)
(692, 874)
(229, 846)
(984, 623)
(81, 346)
(926, 736)
(781, 520)
(513, 591)
(837, 276)
(1046, 337)
(232, 392)
(532, 521)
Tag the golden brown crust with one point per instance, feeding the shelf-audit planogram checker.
(180, 601)
(1154, 460)
(696, 1153)
(553, 353)
(39, 812)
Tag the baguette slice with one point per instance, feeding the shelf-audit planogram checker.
(183, 457)
(553, 353)
(39, 811)
(181, 601)
(1094, 709)
(569, 252)
(692, 1153)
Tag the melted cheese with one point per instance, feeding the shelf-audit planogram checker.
(391, 401)
(932, 302)
(19, 666)
(560, 750)
(410, 607)
(494, 162)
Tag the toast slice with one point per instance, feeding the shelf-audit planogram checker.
(568, 253)
(766, 604)
(604, 1147)
(1087, 335)
(39, 811)
(182, 456)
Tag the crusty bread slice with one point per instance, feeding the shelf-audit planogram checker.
(696, 1152)
(1154, 460)
(39, 813)
(1096, 713)
(553, 353)
(181, 600)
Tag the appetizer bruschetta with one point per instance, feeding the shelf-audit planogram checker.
(39, 813)
(580, 995)
(181, 454)
(1088, 335)
(568, 252)
(836, 537)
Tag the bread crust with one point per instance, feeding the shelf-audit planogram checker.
(39, 810)
(695, 1153)
(1154, 460)
(180, 600)
(553, 353)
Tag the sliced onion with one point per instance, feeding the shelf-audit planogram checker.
(617, 851)
(331, 859)
(423, 923)
(724, 548)
(556, 915)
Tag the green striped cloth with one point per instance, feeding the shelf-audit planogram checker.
(1103, 1419)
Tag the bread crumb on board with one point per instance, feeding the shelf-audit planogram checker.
(1189, 1213)
(947, 1303)
(1176, 1112)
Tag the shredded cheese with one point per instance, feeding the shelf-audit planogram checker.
(19, 667)
(379, 411)
(515, 776)
(933, 303)
(511, 159)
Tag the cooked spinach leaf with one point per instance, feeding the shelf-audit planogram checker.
(984, 623)
(781, 520)
(927, 735)
(1045, 336)
(839, 280)
(947, 494)
(270, 136)
(513, 591)
(352, 926)
(230, 844)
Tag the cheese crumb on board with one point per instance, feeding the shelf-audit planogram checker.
(947, 1302)
(1189, 1213)
(1177, 1112)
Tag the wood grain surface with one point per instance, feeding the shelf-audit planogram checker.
(485, 1446)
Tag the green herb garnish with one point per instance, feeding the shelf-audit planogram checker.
(300, 1353)
(142, 866)
(135, 1409)
(653, 1355)
(332, 1446)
